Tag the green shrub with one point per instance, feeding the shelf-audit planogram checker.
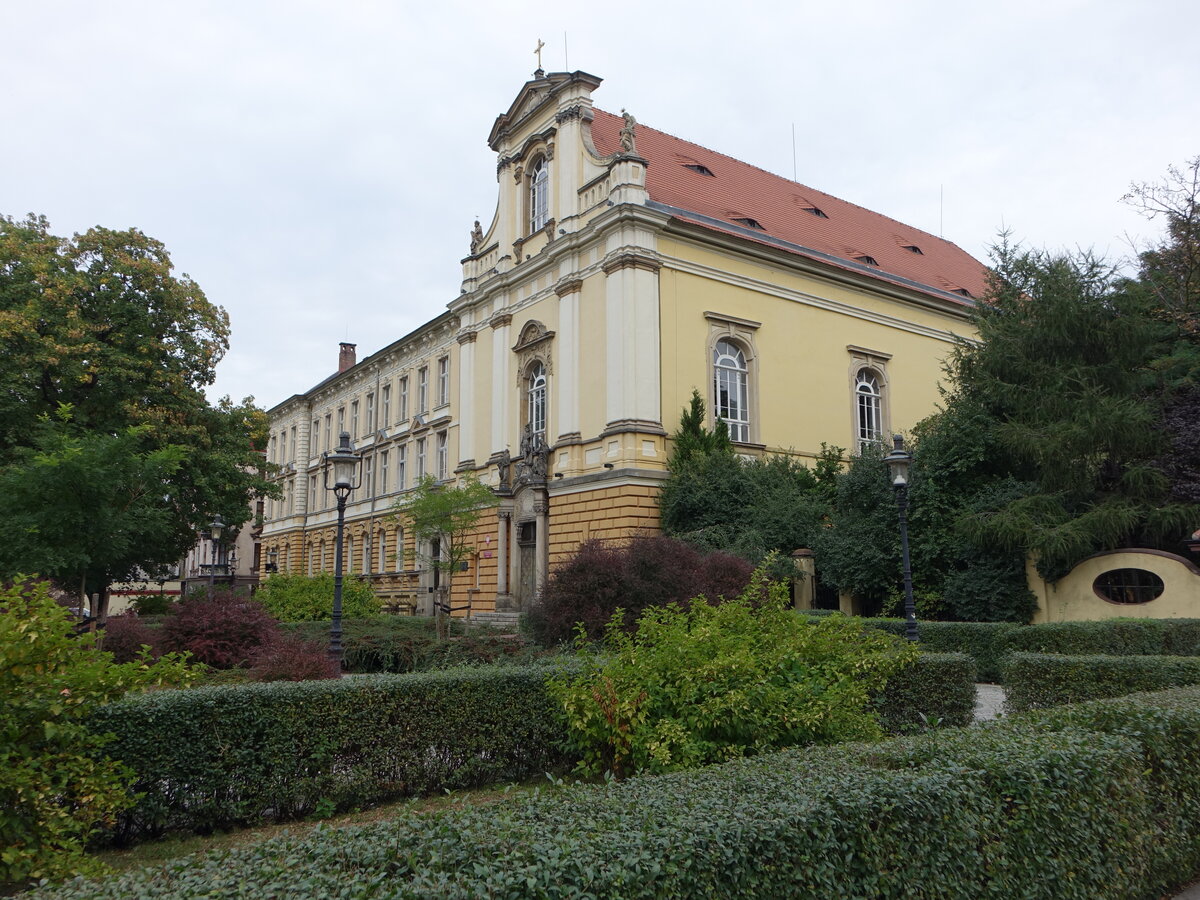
(212, 757)
(153, 604)
(708, 683)
(1098, 801)
(1117, 637)
(309, 598)
(935, 690)
(400, 644)
(56, 787)
(1036, 680)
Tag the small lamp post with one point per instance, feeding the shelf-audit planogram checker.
(898, 462)
(215, 529)
(340, 474)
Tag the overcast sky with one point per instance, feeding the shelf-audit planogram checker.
(316, 166)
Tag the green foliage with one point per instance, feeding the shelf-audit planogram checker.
(1036, 680)
(1117, 637)
(1090, 802)
(715, 500)
(213, 757)
(152, 604)
(56, 786)
(935, 689)
(309, 598)
(99, 324)
(709, 683)
(398, 644)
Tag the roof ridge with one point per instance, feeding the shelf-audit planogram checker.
(784, 178)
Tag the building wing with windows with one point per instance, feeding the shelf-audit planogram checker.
(624, 267)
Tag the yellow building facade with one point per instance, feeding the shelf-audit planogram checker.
(623, 269)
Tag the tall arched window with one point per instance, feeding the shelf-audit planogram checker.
(731, 391)
(539, 195)
(869, 403)
(537, 398)
(383, 551)
(348, 563)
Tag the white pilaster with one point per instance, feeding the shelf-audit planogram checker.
(501, 388)
(465, 410)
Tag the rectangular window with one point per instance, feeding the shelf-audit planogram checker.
(312, 493)
(366, 557)
(384, 487)
(420, 458)
(443, 387)
(403, 398)
(328, 422)
(443, 455)
(423, 389)
(368, 487)
(401, 465)
(341, 421)
(315, 439)
(271, 451)
(370, 413)
(293, 456)
(386, 403)
(354, 420)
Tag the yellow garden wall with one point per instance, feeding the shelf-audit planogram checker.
(1073, 597)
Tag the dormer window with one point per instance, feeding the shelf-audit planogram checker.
(699, 169)
(867, 260)
(539, 195)
(747, 222)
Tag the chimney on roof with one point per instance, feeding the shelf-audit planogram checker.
(346, 356)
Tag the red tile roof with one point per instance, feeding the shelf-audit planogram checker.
(772, 209)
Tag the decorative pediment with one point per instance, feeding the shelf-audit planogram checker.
(534, 332)
(534, 96)
(533, 344)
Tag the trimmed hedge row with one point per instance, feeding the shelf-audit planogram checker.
(991, 642)
(1098, 801)
(1038, 680)
(938, 691)
(217, 756)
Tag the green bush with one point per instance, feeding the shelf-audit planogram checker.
(212, 757)
(309, 598)
(56, 787)
(1117, 637)
(1098, 801)
(1037, 680)
(153, 604)
(701, 684)
(935, 690)
(398, 644)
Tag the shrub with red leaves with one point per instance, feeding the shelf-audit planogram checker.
(648, 571)
(125, 634)
(222, 630)
(293, 658)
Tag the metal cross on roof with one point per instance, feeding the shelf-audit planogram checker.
(538, 51)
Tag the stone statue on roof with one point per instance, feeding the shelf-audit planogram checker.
(628, 137)
(476, 237)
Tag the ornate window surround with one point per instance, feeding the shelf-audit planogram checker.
(862, 360)
(534, 347)
(740, 333)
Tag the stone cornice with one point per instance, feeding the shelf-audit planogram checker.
(631, 259)
(467, 337)
(572, 284)
(500, 320)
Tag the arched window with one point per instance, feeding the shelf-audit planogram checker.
(348, 563)
(367, 559)
(383, 551)
(731, 391)
(539, 195)
(536, 389)
(869, 407)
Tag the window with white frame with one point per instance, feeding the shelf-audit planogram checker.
(731, 389)
(443, 385)
(535, 410)
(420, 458)
(348, 562)
(354, 420)
(443, 455)
(341, 421)
(423, 389)
(316, 436)
(383, 560)
(327, 431)
(868, 400)
(367, 558)
(367, 483)
(385, 402)
(384, 486)
(539, 195)
(401, 466)
(370, 412)
(293, 455)
(403, 398)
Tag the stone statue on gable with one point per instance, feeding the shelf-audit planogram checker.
(476, 237)
(628, 137)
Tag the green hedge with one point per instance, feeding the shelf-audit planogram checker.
(1117, 637)
(397, 644)
(217, 756)
(1097, 802)
(939, 690)
(1038, 680)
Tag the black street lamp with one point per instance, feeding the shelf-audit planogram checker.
(215, 529)
(343, 464)
(898, 462)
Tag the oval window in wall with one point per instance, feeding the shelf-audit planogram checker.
(1128, 586)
